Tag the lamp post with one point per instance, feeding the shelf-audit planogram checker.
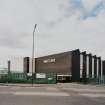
(33, 61)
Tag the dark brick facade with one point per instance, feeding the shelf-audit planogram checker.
(26, 65)
(57, 63)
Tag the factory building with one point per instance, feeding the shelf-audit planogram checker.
(62, 64)
(69, 66)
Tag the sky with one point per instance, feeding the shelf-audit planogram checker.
(62, 25)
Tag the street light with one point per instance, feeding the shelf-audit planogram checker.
(33, 61)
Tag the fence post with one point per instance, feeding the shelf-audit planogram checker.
(9, 67)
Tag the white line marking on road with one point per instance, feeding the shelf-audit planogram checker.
(41, 93)
(52, 89)
(84, 90)
(94, 95)
(5, 92)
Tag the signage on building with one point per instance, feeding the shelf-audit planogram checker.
(49, 60)
(29, 74)
(40, 75)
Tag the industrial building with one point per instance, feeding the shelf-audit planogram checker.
(69, 66)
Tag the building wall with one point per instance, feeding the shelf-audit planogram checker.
(75, 63)
(75, 66)
(26, 64)
(81, 65)
(57, 63)
(103, 67)
(67, 63)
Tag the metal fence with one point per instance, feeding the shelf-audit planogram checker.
(49, 78)
(100, 80)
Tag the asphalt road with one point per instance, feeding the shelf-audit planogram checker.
(61, 94)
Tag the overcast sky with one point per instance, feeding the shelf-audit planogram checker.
(63, 25)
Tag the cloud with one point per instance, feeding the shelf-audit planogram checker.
(12, 39)
(86, 8)
(90, 4)
(97, 9)
(62, 25)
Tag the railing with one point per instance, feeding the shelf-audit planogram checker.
(100, 80)
(50, 78)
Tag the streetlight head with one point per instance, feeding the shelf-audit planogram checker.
(35, 27)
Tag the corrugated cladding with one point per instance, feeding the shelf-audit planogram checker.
(57, 63)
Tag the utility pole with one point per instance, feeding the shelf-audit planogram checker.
(33, 59)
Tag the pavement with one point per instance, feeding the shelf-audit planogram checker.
(52, 94)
